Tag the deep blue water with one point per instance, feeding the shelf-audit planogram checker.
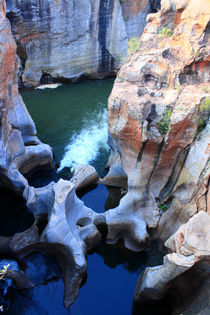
(61, 116)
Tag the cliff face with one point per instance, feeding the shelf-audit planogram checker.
(158, 115)
(71, 39)
(20, 149)
(159, 127)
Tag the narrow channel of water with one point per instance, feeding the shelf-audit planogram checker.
(72, 119)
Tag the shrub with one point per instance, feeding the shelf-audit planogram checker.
(3, 271)
(163, 124)
(204, 113)
(163, 207)
(133, 45)
(165, 32)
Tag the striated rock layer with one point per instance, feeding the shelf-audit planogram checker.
(70, 39)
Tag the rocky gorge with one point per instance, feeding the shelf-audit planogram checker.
(160, 147)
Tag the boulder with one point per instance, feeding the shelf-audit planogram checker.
(83, 176)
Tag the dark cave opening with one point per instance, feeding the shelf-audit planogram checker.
(15, 216)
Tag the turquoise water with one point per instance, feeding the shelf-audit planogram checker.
(73, 120)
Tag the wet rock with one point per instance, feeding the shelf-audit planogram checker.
(83, 176)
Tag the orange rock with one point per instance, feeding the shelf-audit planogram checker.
(155, 108)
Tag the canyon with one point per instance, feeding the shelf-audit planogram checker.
(159, 137)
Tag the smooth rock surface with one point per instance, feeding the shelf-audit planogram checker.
(83, 176)
(66, 40)
(70, 226)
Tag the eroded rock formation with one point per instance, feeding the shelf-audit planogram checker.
(20, 149)
(70, 39)
(188, 246)
(159, 139)
(158, 119)
(69, 234)
(159, 112)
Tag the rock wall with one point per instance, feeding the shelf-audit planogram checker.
(159, 114)
(67, 40)
(159, 127)
(20, 149)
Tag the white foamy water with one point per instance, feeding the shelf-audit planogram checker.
(84, 146)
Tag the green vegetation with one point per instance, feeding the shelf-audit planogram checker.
(165, 32)
(123, 60)
(204, 113)
(133, 45)
(195, 53)
(163, 207)
(163, 124)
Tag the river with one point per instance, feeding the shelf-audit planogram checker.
(72, 119)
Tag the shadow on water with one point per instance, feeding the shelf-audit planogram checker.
(101, 197)
(42, 178)
(14, 213)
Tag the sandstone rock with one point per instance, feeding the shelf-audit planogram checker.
(116, 175)
(24, 239)
(155, 110)
(189, 245)
(20, 149)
